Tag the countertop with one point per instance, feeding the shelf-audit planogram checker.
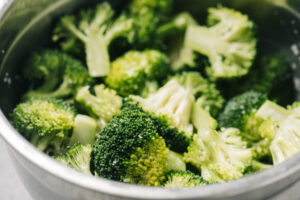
(11, 187)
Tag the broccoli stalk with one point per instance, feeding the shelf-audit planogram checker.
(84, 130)
(47, 123)
(174, 31)
(228, 42)
(97, 32)
(175, 162)
(77, 157)
(104, 105)
(130, 73)
(183, 179)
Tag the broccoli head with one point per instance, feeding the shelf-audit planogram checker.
(203, 89)
(221, 156)
(172, 102)
(228, 42)
(130, 73)
(77, 157)
(286, 135)
(104, 104)
(54, 74)
(240, 112)
(96, 29)
(183, 179)
(239, 108)
(129, 149)
(46, 122)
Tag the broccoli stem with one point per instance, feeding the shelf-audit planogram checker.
(60, 92)
(84, 130)
(97, 57)
(175, 162)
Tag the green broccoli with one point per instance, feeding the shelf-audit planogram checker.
(183, 179)
(240, 112)
(104, 104)
(129, 149)
(146, 16)
(221, 156)
(130, 73)
(286, 137)
(228, 42)
(78, 157)
(238, 108)
(96, 29)
(203, 89)
(46, 122)
(172, 102)
(53, 73)
(175, 162)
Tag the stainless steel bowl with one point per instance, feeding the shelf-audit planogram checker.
(26, 24)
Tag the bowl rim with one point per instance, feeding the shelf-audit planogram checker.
(261, 180)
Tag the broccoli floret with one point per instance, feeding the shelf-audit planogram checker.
(239, 108)
(221, 156)
(286, 137)
(147, 15)
(240, 112)
(130, 73)
(54, 74)
(228, 42)
(46, 122)
(77, 157)
(84, 131)
(96, 29)
(104, 104)
(175, 139)
(172, 102)
(129, 149)
(184, 179)
(207, 92)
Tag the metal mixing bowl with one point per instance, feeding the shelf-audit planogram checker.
(27, 24)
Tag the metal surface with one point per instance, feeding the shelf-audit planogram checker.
(26, 24)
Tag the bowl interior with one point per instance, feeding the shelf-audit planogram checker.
(27, 25)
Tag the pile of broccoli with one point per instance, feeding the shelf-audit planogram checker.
(148, 96)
